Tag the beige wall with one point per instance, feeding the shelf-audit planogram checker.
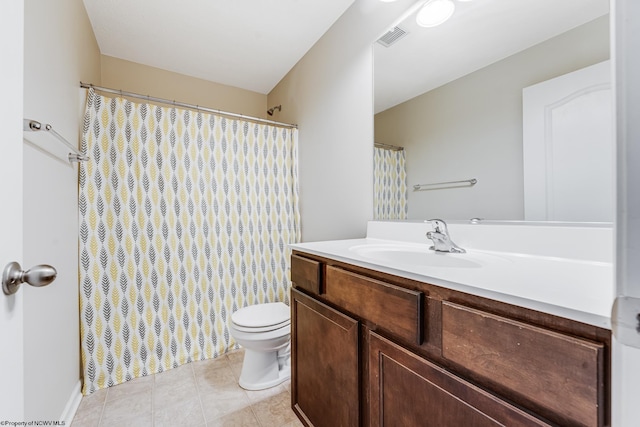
(143, 79)
(60, 50)
(329, 94)
(472, 128)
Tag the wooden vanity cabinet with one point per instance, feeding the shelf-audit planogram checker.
(372, 349)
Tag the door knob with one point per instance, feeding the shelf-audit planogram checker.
(13, 276)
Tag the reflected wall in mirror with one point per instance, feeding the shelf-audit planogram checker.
(451, 96)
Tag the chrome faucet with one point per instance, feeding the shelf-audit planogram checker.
(441, 240)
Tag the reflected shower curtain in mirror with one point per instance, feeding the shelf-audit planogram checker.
(184, 217)
(389, 184)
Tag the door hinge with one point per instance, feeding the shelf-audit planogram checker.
(625, 321)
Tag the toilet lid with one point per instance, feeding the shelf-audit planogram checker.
(261, 315)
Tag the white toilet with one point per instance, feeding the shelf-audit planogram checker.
(264, 330)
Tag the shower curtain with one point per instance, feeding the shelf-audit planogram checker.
(184, 217)
(389, 184)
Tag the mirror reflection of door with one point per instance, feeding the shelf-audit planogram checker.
(568, 147)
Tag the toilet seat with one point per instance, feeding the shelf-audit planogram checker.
(261, 317)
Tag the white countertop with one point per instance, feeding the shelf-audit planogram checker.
(574, 288)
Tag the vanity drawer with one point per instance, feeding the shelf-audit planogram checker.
(397, 310)
(558, 376)
(306, 274)
(408, 390)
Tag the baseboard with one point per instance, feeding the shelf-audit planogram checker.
(72, 404)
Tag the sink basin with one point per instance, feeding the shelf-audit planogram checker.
(416, 255)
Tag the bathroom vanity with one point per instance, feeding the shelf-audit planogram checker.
(378, 340)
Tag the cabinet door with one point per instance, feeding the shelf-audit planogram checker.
(406, 390)
(324, 382)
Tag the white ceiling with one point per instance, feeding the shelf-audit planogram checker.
(250, 44)
(479, 33)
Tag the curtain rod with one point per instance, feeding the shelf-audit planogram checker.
(185, 105)
(388, 147)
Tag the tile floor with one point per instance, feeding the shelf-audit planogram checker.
(197, 394)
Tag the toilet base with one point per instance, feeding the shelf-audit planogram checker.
(283, 375)
(261, 370)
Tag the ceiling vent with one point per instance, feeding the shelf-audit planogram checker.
(392, 36)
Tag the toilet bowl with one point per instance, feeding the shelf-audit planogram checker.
(264, 330)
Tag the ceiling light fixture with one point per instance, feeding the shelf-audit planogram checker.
(435, 12)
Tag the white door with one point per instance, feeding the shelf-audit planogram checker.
(11, 320)
(568, 147)
(626, 314)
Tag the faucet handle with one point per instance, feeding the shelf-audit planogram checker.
(440, 236)
(439, 226)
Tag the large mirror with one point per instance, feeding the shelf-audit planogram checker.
(451, 97)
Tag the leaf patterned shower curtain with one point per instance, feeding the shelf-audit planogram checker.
(389, 184)
(184, 218)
